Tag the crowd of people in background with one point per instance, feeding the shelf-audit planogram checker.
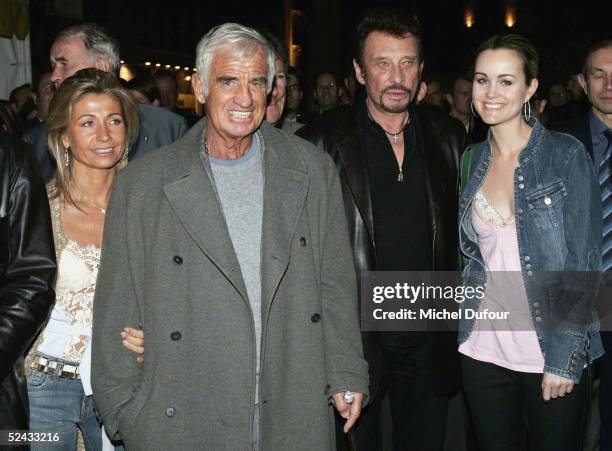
(189, 282)
(553, 104)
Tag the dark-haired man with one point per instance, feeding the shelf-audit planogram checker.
(459, 98)
(169, 89)
(398, 169)
(326, 92)
(594, 130)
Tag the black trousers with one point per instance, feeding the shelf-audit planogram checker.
(418, 415)
(605, 393)
(509, 413)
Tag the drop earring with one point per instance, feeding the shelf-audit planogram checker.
(66, 157)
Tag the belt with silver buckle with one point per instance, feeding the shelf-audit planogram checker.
(59, 367)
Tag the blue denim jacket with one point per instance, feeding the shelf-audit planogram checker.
(558, 222)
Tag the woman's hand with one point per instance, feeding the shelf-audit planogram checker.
(554, 386)
(133, 339)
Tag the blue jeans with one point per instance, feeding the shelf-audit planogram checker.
(59, 405)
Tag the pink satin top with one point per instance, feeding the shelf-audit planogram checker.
(510, 343)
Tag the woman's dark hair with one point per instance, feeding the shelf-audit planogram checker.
(391, 21)
(521, 45)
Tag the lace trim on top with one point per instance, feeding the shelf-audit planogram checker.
(88, 254)
(76, 284)
(487, 212)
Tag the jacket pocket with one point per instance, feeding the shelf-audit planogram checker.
(545, 204)
(132, 410)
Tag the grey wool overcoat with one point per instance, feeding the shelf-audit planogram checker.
(168, 265)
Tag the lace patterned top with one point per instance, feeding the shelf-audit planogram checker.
(68, 332)
(488, 213)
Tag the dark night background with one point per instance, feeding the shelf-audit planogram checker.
(168, 31)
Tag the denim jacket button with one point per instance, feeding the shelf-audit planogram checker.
(530, 273)
(528, 266)
(538, 312)
(527, 258)
(547, 200)
(520, 178)
(538, 319)
(536, 304)
(521, 186)
(520, 211)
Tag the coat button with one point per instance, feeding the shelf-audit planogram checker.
(302, 241)
(178, 259)
(315, 318)
(175, 336)
(170, 412)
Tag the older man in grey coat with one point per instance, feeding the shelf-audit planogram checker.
(230, 248)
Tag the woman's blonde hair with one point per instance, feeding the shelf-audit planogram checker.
(83, 82)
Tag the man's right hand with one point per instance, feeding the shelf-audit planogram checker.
(348, 411)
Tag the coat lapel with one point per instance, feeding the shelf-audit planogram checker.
(352, 154)
(285, 189)
(192, 197)
(431, 161)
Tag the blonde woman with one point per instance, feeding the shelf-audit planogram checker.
(92, 124)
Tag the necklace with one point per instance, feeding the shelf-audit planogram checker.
(395, 137)
(95, 207)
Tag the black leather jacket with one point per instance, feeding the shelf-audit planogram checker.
(27, 268)
(441, 139)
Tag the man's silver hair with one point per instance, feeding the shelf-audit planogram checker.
(243, 41)
(98, 42)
